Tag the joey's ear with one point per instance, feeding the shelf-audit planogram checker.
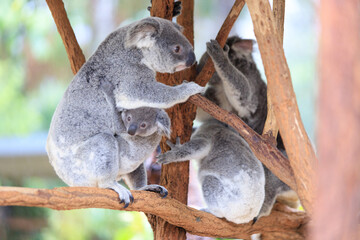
(245, 44)
(178, 27)
(163, 123)
(143, 34)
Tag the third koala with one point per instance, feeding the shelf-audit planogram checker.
(237, 87)
(119, 75)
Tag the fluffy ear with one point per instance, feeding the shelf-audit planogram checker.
(163, 123)
(245, 44)
(142, 34)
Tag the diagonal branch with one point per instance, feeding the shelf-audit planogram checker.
(73, 50)
(289, 224)
(298, 147)
(208, 70)
(268, 154)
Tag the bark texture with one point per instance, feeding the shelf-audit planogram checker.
(73, 50)
(175, 176)
(298, 147)
(338, 197)
(270, 126)
(281, 224)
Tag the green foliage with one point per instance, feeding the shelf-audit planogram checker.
(97, 224)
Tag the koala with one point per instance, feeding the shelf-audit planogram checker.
(103, 159)
(237, 87)
(231, 177)
(119, 75)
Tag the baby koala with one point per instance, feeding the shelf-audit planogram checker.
(231, 177)
(104, 159)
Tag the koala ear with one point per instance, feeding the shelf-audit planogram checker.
(245, 44)
(163, 123)
(143, 34)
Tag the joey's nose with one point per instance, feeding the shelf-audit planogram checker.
(191, 59)
(132, 129)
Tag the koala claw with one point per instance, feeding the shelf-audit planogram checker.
(125, 195)
(157, 189)
(215, 51)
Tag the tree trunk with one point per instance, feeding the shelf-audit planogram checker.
(338, 196)
(297, 144)
(175, 176)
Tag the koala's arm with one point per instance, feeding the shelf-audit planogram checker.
(236, 85)
(137, 180)
(154, 94)
(197, 148)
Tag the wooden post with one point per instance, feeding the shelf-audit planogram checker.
(336, 214)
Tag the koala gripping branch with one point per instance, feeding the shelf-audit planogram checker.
(281, 224)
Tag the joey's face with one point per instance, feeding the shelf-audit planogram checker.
(140, 121)
(171, 52)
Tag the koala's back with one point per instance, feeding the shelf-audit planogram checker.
(237, 178)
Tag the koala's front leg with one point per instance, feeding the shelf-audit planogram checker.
(196, 148)
(236, 85)
(154, 94)
(137, 180)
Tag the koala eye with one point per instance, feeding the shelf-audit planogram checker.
(177, 49)
(129, 118)
(143, 125)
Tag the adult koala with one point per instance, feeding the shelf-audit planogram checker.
(119, 75)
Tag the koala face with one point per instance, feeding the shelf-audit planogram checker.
(164, 47)
(146, 121)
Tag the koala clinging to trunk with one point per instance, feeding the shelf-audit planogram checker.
(85, 127)
(234, 182)
(237, 86)
(231, 177)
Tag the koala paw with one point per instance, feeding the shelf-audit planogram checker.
(177, 8)
(170, 156)
(156, 188)
(192, 88)
(216, 52)
(125, 195)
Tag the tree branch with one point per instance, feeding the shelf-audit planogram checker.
(208, 70)
(73, 50)
(297, 144)
(281, 221)
(270, 126)
(268, 154)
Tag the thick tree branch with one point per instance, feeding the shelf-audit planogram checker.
(297, 144)
(263, 150)
(270, 126)
(281, 221)
(73, 50)
(208, 70)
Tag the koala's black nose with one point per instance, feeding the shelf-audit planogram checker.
(132, 129)
(191, 59)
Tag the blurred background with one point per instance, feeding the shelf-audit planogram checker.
(34, 73)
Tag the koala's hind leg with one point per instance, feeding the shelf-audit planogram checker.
(137, 180)
(100, 155)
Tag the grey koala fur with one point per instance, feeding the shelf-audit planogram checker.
(119, 75)
(103, 159)
(237, 87)
(231, 177)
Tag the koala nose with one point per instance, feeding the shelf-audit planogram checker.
(191, 59)
(132, 129)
